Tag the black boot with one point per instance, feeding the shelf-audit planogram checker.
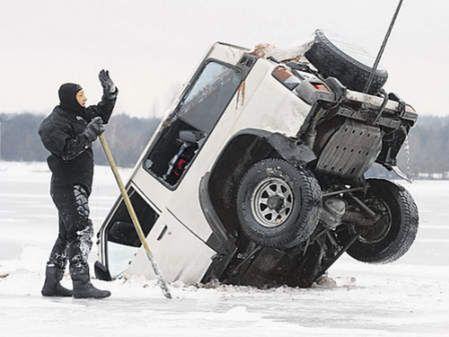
(52, 287)
(83, 289)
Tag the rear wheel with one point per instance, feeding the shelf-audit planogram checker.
(395, 230)
(278, 204)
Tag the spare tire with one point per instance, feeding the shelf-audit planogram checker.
(332, 62)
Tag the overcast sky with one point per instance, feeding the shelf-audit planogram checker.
(151, 47)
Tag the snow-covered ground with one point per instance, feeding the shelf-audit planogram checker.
(406, 298)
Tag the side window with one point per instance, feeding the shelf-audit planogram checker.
(199, 110)
(122, 240)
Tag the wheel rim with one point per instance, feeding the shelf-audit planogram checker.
(379, 231)
(272, 202)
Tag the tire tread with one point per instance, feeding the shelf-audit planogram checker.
(408, 227)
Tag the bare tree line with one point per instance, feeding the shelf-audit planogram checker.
(19, 139)
(425, 153)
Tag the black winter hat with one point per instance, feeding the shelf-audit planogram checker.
(67, 97)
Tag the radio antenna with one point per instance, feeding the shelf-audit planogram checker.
(382, 48)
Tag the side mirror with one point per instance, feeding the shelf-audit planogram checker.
(101, 272)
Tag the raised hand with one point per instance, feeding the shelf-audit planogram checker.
(106, 82)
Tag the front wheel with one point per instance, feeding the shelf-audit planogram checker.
(278, 204)
(395, 230)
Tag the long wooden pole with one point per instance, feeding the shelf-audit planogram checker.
(132, 213)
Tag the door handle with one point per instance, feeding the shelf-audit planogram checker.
(161, 235)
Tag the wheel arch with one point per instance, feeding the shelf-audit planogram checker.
(241, 151)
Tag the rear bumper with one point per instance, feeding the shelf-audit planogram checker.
(405, 113)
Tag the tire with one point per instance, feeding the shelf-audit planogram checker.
(401, 219)
(295, 194)
(332, 62)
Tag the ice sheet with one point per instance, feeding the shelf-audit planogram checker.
(407, 298)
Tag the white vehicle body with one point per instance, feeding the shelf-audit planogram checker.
(180, 215)
(232, 95)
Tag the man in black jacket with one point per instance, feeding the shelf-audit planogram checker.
(67, 133)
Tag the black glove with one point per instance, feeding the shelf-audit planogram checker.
(106, 82)
(94, 128)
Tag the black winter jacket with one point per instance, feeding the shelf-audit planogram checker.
(71, 160)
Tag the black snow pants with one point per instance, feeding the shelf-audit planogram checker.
(74, 240)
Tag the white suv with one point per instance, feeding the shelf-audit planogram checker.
(256, 175)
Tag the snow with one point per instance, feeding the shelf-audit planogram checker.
(407, 298)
